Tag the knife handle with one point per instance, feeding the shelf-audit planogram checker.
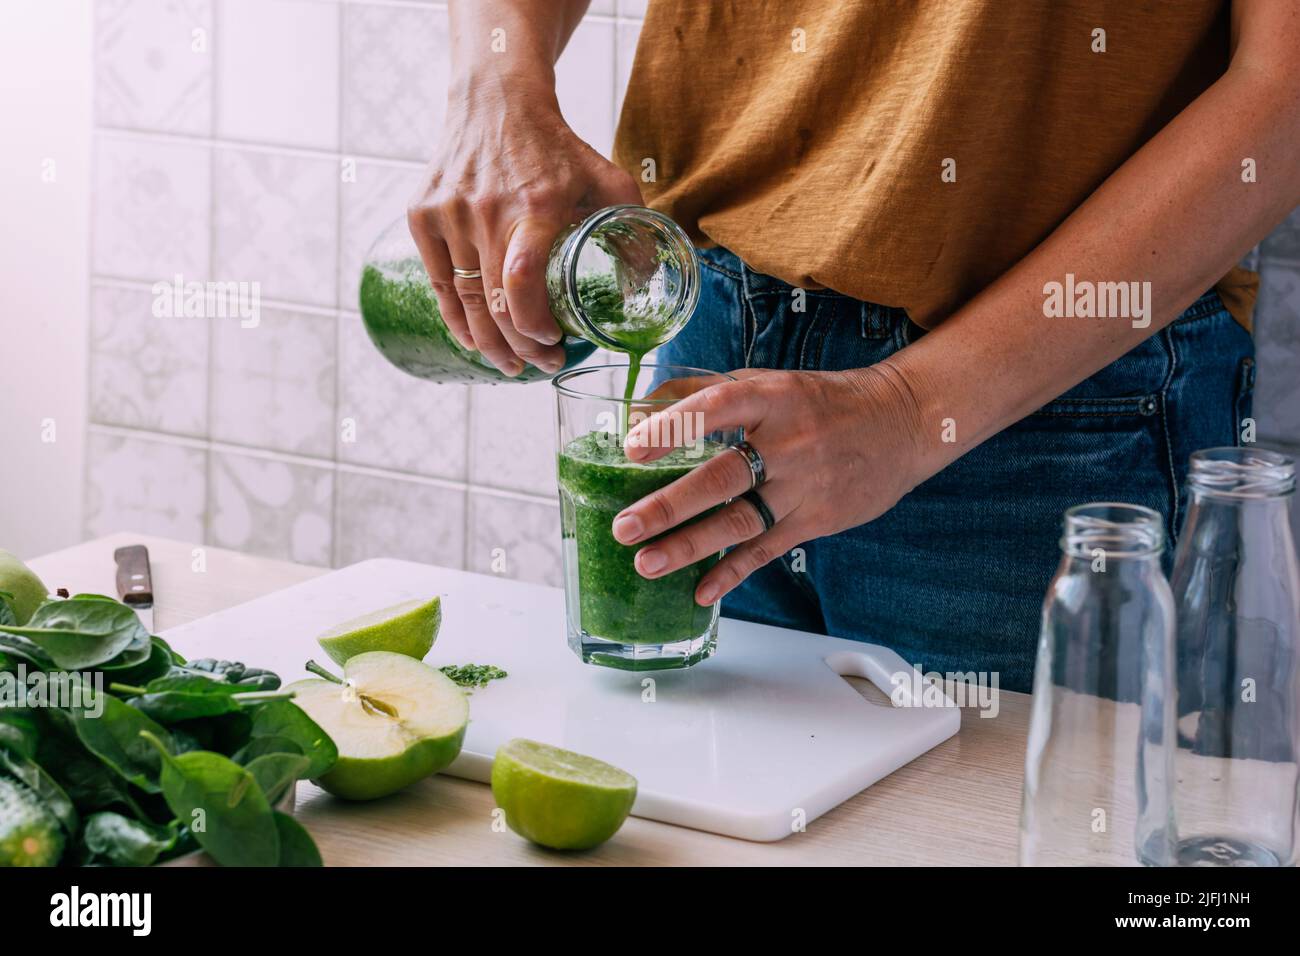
(134, 583)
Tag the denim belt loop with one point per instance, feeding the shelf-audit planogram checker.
(873, 322)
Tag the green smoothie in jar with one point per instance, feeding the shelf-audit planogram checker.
(626, 279)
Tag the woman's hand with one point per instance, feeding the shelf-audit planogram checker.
(507, 177)
(840, 448)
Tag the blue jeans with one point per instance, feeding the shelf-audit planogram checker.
(953, 576)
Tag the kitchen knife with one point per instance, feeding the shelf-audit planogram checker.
(134, 582)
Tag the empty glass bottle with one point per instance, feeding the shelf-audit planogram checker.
(1100, 734)
(1237, 590)
(626, 278)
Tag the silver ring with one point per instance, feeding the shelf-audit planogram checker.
(466, 273)
(757, 470)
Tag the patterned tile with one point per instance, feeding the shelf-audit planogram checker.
(512, 431)
(395, 72)
(514, 538)
(276, 224)
(151, 209)
(1277, 348)
(393, 518)
(278, 72)
(273, 384)
(145, 371)
(272, 508)
(150, 487)
(388, 419)
(1284, 241)
(584, 82)
(369, 203)
(153, 65)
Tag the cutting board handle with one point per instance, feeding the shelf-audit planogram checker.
(884, 667)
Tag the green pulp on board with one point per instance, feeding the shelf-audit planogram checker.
(473, 675)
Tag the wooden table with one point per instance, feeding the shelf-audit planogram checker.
(958, 804)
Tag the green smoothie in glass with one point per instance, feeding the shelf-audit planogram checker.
(616, 617)
(597, 482)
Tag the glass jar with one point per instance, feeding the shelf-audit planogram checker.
(626, 278)
(1099, 758)
(1237, 590)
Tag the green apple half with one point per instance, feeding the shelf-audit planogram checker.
(394, 719)
(20, 581)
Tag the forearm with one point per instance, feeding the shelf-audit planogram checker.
(495, 42)
(1177, 215)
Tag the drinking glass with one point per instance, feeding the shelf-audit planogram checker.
(1099, 758)
(1237, 590)
(616, 618)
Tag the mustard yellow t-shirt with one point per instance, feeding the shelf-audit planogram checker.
(812, 137)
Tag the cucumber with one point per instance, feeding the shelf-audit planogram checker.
(30, 834)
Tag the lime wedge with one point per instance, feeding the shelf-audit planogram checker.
(408, 628)
(558, 798)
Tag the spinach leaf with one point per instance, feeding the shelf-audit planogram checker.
(284, 718)
(120, 841)
(158, 663)
(224, 734)
(18, 731)
(133, 655)
(258, 746)
(233, 672)
(89, 782)
(222, 804)
(43, 785)
(276, 773)
(297, 848)
(172, 699)
(26, 651)
(114, 737)
(81, 632)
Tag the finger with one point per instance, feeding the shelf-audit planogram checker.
(473, 298)
(730, 525)
(723, 476)
(547, 357)
(437, 263)
(745, 559)
(528, 250)
(721, 406)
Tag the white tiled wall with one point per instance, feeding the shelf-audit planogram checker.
(222, 131)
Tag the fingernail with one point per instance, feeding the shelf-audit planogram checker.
(628, 528)
(707, 595)
(652, 560)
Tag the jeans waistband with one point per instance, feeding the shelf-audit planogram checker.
(876, 318)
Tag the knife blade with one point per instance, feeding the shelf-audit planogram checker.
(134, 582)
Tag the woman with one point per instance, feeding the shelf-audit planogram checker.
(974, 261)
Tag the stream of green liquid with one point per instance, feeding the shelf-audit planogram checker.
(633, 373)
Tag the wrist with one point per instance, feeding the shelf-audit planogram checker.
(901, 400)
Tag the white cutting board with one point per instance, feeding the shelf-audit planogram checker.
(761, 736)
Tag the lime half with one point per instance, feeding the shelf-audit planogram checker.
(558, 798)
(408, 628)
